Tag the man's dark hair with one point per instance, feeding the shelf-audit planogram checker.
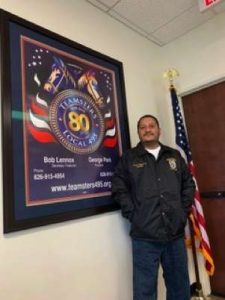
(147, 116)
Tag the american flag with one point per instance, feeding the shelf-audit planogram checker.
(197, 216)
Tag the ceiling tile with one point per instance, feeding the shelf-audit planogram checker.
(220, 7)
(182, 24)
(127, 23)
(155, 40)
(108, 3)
(160, 21)
(99, 5)
(152, 14)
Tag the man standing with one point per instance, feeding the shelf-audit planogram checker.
(155, 191)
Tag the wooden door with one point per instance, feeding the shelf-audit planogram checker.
(204, 113)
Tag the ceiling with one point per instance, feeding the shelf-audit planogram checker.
(160, 21)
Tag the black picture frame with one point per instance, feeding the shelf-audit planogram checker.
(87, 148)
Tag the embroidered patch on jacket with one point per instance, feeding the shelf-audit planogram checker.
(172, 163)
(139, 165)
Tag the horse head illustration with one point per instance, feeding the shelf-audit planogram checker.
(60, 78)
(90, 83)
(64, 77)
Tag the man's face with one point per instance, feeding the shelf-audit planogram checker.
(148, 131)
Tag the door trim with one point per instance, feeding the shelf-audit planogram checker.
(201, 86)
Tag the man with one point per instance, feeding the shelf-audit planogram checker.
(155, 191)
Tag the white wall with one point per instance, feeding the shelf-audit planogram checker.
(90, 258)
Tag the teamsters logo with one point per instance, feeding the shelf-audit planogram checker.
(172, 163)
(76, 121)
(68, 102)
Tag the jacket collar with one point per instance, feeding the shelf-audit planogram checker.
(141, 150)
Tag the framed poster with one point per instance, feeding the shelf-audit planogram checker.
(64, 123)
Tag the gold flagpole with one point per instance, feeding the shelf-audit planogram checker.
(170, 74)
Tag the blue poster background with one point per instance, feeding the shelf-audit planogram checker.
(49, 178)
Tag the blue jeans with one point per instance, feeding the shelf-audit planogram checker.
(173, 258)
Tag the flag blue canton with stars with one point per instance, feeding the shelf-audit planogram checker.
(181, 137)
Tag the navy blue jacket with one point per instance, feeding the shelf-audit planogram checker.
(155, 195)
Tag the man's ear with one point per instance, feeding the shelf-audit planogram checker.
(160, 131)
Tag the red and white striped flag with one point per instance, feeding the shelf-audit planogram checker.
(197, 216)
